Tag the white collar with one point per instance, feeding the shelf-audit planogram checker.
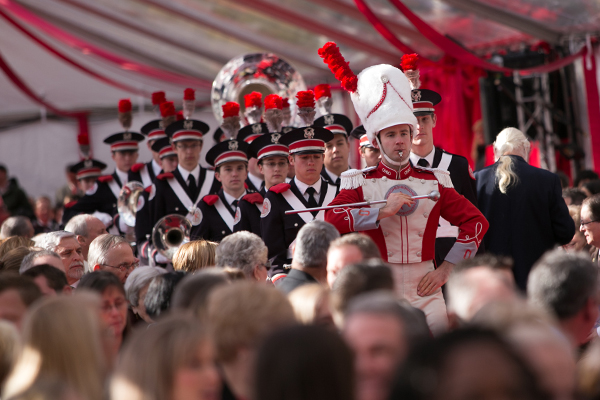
(156, 167)
(333, 176)
(429, 157)
(185, 173)
(230, 199)
(122, 176)
(303, 186)
(256, 181)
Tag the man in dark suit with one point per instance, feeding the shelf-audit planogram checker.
(309, 264)
(424, 154)
(527, 216)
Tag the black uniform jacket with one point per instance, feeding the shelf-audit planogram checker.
(145, 170)
(217, 218)
(248, 213)
(530, 219)
(100, 198)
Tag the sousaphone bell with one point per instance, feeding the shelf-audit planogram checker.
(169, 233)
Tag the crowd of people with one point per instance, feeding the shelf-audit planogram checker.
(282, 274)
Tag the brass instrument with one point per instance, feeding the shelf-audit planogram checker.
(169, 233)
(130, 202)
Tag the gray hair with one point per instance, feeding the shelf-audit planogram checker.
(413, 321)
(364, 243)
(139, 278)
(514, 142)
(51, 240)
(29, 260)
(100, 246)
(562, 282)
(16, 226)
(312, 244)
(78, 224)
(241, 250)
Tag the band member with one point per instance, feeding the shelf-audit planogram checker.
(87, 173)
(368, 152)
(308, 189)
(337, 150)
(403, 228)
(273, 163)
(218, 210)
(255, 128)
(424, 154)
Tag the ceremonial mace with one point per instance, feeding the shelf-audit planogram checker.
(433, 195)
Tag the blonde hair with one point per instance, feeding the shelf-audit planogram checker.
(62, 338)
(195, 255)
(243, 313)
(14, 242)
(150, 359)
(9, 348)
(510, 141)
(306, 300)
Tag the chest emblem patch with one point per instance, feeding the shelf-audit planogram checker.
(406, 210)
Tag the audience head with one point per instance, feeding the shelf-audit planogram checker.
(511, 141)
(11, 261)
(62, 338)
(583, 177)
(349, 249)
(65, 244)
(194, 256)
(136, 288)
(579, 242)
(43, 209)
(87, 228)
(9, 348)
(50, 280)
(16, 226)
(466, 363)
(14, 242)
(501, 264)
(41, 257)
(590, 220)
(312, 243)
(112, 253)
(381, 330)
(160, 292)
(193, 290)
(113, 302)
(311, 305)
(566, 285)
(591, 188)
(573, 196)
(17, 293)
(244, 251)
(171, 360)
(311, 363)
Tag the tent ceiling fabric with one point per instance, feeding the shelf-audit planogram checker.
(197, 37)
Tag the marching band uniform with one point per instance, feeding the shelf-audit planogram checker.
(145, 173)
(279, 230)
(381, 98)
(461, 173)
(219, 210)
(85, 169)
(248, 134)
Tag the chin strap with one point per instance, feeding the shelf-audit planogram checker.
(387, 158)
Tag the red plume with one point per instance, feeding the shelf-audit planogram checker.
(285, 102)
(306, 98)
(231, 109)
(124, 105)
(167, 109)
(273, 101)
(331, 55)
(409, 62)
(253, 99)
(83, 140)
(189, 94)
(158, 98)
(179, 116)
(322, 90)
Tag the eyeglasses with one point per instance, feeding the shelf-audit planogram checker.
(589, 222)
(125, 267)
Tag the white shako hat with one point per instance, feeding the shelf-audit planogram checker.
(381, 94)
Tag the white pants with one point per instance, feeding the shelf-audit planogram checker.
(406, 280)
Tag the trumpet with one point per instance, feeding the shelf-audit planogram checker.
(169, 233)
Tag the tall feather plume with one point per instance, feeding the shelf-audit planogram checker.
(332, 56)
(167, 111)
(189, 102)
(410, 68)
(287, 113)
(323, 97)
(125, 114)
(253, 103)
(157, 99)
(273, 112)
(231, 119)
(306, 106)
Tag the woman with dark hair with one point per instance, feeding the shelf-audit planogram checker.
(311, 363)
(591, 188)
(114, 302)
(590, 224)
(465, 364)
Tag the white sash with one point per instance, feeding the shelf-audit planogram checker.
(296, 204)
(114, 188)
(183, 196)
(209, 178)
(445, 161)
(224, 213)
(146, 181)
(445, 229)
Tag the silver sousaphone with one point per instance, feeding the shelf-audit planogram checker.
(170, 232)
(260, 72)
(130, 201)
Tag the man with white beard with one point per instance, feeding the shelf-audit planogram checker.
(65, 244)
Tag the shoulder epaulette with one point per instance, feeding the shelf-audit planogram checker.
(148, 189)
(137, 167)
(105, 178)
(253, 198)
(164, 176)
(280, 188)
(354, 178)
(210, 199)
